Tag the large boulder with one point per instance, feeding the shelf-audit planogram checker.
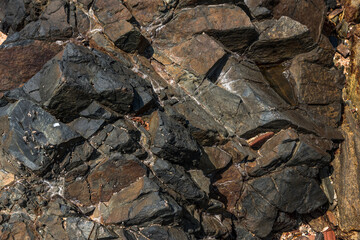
(75, 77)
(227, 23)
(34, 137)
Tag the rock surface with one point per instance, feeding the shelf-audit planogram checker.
(192, 119)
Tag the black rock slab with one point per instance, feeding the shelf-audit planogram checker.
(34, 137)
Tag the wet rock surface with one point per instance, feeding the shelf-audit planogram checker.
(167, 119)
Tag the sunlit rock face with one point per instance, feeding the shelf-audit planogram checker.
(165, 119)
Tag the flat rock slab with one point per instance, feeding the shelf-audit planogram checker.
(106, 179)
(33, 136)
(227, 23)
(197, 55)
(19, 62)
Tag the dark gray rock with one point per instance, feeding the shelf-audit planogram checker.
(176, 178)
(311, 154)
(78, 76)
(171, 140)
(34, 137)
(164, 233)
(97, 111)
(86, 127)
(124, 35)
(12, 15)
(290, 192)
(276, 151)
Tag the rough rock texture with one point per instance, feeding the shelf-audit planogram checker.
(183, 120)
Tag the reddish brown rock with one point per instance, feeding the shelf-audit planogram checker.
(111, 177)
(197, 55)
(215, 159)
(229, 185)
(258, 141)
(145, 12)
(227, 23)
(309, 13)
(105, 180)
(109, 11)
(19, 63)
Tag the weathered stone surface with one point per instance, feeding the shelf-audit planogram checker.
(311, 75)
(170, 140)
(179, 181)
(214, 159)
(215, 227)
(25, 59)
(284, 40)
(58, 21)
(311, 14)
(147, 12)
(110, 11)
(203, 127)
(88, 75)
(227, 23)
(346, 176)
(137, 204)
(197, 55)
(211, 127)
(276, 151)
(86, 127)
(97, 111)
(34, 137)
(124, 35)
(229, 185)
(106, 179)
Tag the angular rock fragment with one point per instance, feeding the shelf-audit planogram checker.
(147, 12)
(138, 204)
(229, 185)
(110, 11)
(197, 55)
(58, 21)
(73, 79)
(106, 179)
(227, 23)
(86, 127)
(34, 137)
(124, 35)
(310, 14)
(273, 153)
(170, 140)
(26, 59)
(175, 177)
(215, 159)
(284, 40)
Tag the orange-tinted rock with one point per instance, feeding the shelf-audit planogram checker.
(19, 63)
(105, 180)
(197, 55)
(215, 159)
(111, 177)
(227, 23)
(347, 174)
(109, 11)
(145, 12)
(229, 185)
(258, 141)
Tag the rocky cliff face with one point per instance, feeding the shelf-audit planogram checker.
(189, 119)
